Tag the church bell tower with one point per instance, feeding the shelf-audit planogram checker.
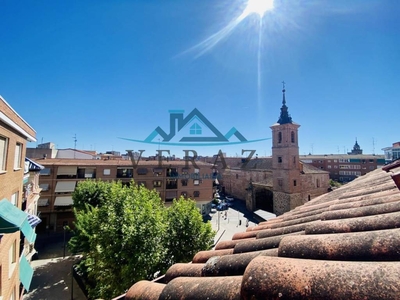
(286, 167)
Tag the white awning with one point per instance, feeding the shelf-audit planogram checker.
(63, 201)
(65, 186)
(266, 215)
(66, 170)
(43, 202)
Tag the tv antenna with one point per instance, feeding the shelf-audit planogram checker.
(373, 146)
(75, 140)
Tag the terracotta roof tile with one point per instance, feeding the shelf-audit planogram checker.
(341, 245)
(145, 290)
(288, 278)
(212, 288)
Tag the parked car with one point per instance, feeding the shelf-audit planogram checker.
(229, 198)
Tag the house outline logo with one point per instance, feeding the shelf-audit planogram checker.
(195, 138)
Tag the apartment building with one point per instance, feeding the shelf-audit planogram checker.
(171, 179)
(392, 153)
(18, 192)
(345, 167)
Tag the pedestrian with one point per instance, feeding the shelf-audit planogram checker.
(247, 222)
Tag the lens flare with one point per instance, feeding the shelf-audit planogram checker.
(259, 7)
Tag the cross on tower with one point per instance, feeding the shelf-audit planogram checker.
(283, 82)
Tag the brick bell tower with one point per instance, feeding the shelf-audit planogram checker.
(285, 162)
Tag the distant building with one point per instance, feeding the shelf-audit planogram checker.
(345, 167)
(392, 153)
(171, 179)
(356, 149)
(19, 193)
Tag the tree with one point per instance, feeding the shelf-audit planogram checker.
(130, 235)
(186, 233)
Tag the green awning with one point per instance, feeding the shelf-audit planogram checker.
(12, 219)
(25, 273)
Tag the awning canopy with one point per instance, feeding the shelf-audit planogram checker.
(67, 170)
(65, 186)
(266, 215)
(33, 166)
(25, 272)
(64, 201)
(12, 219)
(33, 220)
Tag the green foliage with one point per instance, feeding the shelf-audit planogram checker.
(129, 235)
(333, 183)
(90, 192)
(187, 233)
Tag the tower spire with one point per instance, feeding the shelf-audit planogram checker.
(285, 117)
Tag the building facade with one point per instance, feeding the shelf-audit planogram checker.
(392, 153)
(16, 195)
(171, 179)
(345, 167)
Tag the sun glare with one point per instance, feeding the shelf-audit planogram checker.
(259, 7)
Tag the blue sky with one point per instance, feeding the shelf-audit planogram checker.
(109, 69)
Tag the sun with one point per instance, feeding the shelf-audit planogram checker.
(259, 7)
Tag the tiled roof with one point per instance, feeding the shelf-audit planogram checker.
(310, 169)
(341, 245)
(264, 163)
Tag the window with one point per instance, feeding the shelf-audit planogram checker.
(86, 173)
(142, 171)
(280, 182)
(196, 171)
(139, 183)
(157, 183)
(45, 172)
(12, 258)
(172, 184)
(294, 160)
(14, 199)
(172, 172)
(107, 172)
(294, 183)
(3, 153)
(17, 158)
(292, 136)
(195, 129)
(237, 176)
(185, 171)
(279, 159)
(279, 137)
(317, 182)
(196, 182)
(329, 167)
(44, 187)
(184, 194)
(124, 173)
(158, 171)
(196, 194)
(184, 182)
